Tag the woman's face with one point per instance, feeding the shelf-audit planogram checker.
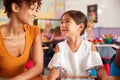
(26, 14)
(68, 26)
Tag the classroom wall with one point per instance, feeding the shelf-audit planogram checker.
(99, 31)
(108, 11)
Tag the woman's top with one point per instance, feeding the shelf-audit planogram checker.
(75, 63)
(11, 66)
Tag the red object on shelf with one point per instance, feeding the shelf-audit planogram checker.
(95, 41)
(90, 40)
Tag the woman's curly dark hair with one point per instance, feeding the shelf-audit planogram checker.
(8, 3)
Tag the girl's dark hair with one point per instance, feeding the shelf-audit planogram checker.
(8, 3)
(78, 17)
(57, 31)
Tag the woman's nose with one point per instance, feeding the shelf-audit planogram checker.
(35, 13)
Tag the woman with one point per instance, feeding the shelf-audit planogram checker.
(17, 38)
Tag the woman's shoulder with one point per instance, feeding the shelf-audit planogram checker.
(3, 29)
(3, 26)
(33, 27)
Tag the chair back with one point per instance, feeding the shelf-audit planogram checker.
(114, 71)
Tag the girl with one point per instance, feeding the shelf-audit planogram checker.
(74, 56)
(17, 38)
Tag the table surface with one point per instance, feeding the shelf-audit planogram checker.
(46, 78)
(108, 45)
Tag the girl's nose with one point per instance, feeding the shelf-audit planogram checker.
(62, 25)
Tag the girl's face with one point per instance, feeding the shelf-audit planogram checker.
(26, 14)
(68, 26)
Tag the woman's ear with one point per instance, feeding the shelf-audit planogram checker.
(15, 7)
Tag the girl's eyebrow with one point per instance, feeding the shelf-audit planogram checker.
(66, 19)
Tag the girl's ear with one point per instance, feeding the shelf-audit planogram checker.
(81, 26)
(15, 7)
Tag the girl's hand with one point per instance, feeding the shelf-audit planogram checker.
(105, 78)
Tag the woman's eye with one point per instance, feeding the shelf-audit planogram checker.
(32, 8)
(36, 10)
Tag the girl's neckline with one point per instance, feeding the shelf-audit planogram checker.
(76, 50)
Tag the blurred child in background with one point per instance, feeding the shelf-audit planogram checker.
(89, 35)
(47, 35)
(58, 37)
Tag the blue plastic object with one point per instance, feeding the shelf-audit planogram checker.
(114, 71)
(93, 72)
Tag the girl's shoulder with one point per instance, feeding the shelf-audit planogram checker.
(86, 42)
(64, 42)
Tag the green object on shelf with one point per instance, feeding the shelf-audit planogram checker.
(105, 40)
(108, 40)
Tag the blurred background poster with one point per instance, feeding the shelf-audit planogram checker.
(47, 10)
(3, 17)
(59, 8)
(92, 12)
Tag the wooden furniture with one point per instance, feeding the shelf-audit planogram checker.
(45, 47)
(46, 78)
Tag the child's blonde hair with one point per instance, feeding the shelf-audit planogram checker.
(90, 23)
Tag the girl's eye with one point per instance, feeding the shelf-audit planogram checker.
(67, 21)
(61, 22)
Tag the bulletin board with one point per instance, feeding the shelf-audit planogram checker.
(54, 23)
(3, 17)
(59, 8)
(47, 9)
(51, 9)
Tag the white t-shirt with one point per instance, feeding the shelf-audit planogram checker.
(75, 63)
